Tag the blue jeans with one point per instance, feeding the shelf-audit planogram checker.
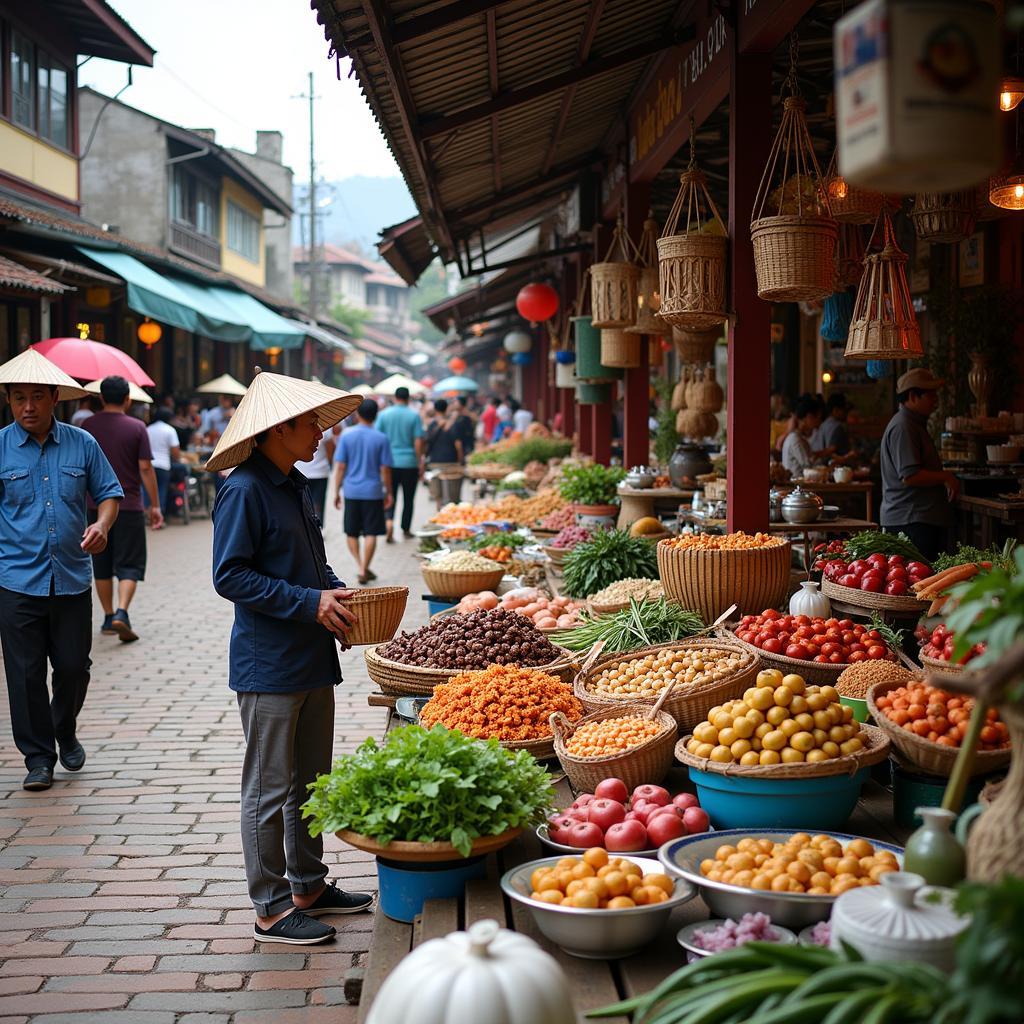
(163, 480)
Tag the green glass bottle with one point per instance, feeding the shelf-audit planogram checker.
(933, 851)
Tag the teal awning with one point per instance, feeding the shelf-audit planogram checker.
(269, 329)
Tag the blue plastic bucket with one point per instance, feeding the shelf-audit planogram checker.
(820, 804)
(438, 604)
(404, 885)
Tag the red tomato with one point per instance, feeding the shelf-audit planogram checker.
(797, 651)
(829, 648)
(811, 648)
(872, 582)
(876, 653)
(846, 623)
(873, 634)
(849, 580)
(821, 658)
(879, 560)
(919, 567)
(896, 573)
(773, 645)
(855, 656)
(849, 636)
(835, 659)
(770, 613)
(896, 560)
(856, 646)
(897, 588)
(802, 620)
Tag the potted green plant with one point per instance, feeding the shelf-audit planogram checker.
(429, 805)
(593, 492)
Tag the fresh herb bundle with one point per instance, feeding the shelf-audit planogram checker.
(870, 542)
(609, 556)
(534, 449)
(1001, 558)
(893, 637)
(503, 539)
(593, 484)
(430, 787)
(642, 624)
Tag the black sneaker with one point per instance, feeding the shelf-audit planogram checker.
(336, 901)
(108, 626)
(123, 627)
(297, 929)
(38, 778)
(72, 755)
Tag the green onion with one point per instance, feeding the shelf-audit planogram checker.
(642, 624)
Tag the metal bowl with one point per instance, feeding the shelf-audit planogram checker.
(685, 936)
(596, 934)
(574, 851)
(682, 857)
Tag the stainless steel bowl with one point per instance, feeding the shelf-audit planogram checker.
(796, 910)
(686, 936)
(596, 934)
(575, 851)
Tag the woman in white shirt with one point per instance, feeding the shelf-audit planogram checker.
(797, 453)
(165, 444)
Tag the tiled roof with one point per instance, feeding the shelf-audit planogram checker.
(14, 275)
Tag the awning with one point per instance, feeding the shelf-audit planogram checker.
(327, 338)
(407, 248)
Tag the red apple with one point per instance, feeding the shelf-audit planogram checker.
(583, 799)
(684, 800)
(578, 813)
(605, 813)
(667, 809)
(612, 789)
(583, 835)
(557, 825)
(633, 816)
(626, 837)
(661, 828)
(696, 819)
(652, 794)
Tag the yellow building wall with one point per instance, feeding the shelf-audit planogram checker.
(230, 261)
(26, 157)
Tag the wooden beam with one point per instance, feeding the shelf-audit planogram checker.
(439, 18)
(429, 128)
(492, 75)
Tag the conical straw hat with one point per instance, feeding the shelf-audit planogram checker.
(273, 398)
(33, 368)
(135, 393)
(225, 384)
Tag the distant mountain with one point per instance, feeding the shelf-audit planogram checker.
(360, 208)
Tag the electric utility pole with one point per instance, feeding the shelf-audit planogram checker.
(312, 206)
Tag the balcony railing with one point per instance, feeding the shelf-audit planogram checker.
(199, 247)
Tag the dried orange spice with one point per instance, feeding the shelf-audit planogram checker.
(728, 542)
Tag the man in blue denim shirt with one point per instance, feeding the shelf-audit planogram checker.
(46, 469)
(269, 560)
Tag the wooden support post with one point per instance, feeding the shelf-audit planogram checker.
(601, 416)
(587, 429)
(567, 406)
(750, 120)
(636, 437)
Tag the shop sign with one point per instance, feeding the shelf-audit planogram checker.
(916, 87)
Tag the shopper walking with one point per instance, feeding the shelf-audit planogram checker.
(165, 445)
(46, 470)
(290, 615)
(442, 448)
(125, 443)
(362, 475)
(318, 471)
(404, 430)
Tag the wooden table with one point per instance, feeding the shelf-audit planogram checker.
(854, 488)
(992, 511)
(638, 502)
(593, 983)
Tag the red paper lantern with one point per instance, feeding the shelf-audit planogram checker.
(457, 365)
(537, 302)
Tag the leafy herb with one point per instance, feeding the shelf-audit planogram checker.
(966, 554)
(534, 449)
(428, 787)
(591, 485)
(666, 437)
(893, 637)
(500, 540)
(870, 542)
(609, 556)
(640, 625)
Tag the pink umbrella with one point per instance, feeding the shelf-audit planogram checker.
(92, 360)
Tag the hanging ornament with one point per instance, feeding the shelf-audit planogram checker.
(537, 302)
(614, 283)
(522, 358)
(457, 365)
(648, 294)
(944, 216)
(835, 321)
(517, 341)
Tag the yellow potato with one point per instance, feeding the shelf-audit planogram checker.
(782, 696)
(774, 740)
(802, 741)
(795, 683)
(743, 727)
(769, 677)
(791, 756)
(776, 715)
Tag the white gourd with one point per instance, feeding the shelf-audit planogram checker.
(486, 975)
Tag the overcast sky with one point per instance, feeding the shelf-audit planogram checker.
(234, 67)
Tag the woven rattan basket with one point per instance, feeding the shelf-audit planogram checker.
(812, 671)
(488, 472)
(944, 216)
(688, 705)
(459, 584)
(696, 347)
(707, 581)
(948, 668)
(875, 750)
(868, 599)
(557, 555)
(379, 611)
(619, 348)
(648, 762)
(613, 284)
(794, 257)
(851, 204)
(425, 852)
(932, 758)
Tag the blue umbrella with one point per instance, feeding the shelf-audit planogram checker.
(455, 384)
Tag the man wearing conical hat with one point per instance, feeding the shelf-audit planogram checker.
(46, 470)
(290, 615)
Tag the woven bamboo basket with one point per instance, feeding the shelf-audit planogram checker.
(696, 425)
(688, 705)
(932, 758)
(613, 284)
(557, 555)
(648, 294)
(867, 599)
(452, 611)
(696, 346)
(944, 216)
(459, 584)
(849, 258)
(708, 581)
(650, 761)
(620, 349)
(379, 611)
(875, 750)
(948, 668)
(811, 671)
(488, 472)
(851, 204)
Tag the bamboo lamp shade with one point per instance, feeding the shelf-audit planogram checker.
(884, 325)
(944, 216)
(851, 204)
(613, 283)
(648, 292)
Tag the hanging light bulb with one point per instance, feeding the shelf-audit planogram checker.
(1007, 190)
(1011, 92)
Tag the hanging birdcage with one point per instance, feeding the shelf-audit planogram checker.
(884, 325)
(850, 257)
(792, 229)
(851, 204)
(648, 291)
(944, 216)
(614, 282)
(691, 262)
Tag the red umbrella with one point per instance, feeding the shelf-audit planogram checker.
(92, 360)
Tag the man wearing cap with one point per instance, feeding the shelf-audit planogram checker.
(46, 470)
(290, 615)
(916, 490)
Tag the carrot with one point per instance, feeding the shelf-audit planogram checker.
(937, 578)
(937, 605)
(945, 580)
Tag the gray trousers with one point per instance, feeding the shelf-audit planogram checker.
(288, 742)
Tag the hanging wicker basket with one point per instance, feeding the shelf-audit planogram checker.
(620, 349)
(850, 258)
(944, 216)
(792, 230)
(851, 204)
(697, 347)
(679, 392)
(705, 394)
(613, 284)
(884, 325)
(648, 292)
(695, 425)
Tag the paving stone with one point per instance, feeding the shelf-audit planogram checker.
(124, 983)
(244, 962)
(227, 1001)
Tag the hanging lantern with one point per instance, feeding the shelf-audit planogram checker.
(851, 204)
(648, 292)
(457, 365)
(1007, 190)
(835, 321)
(620, 349)
(1011, 92)
(565, 374)
(522, 358)
(691, 261)
(149, 332)
(792, 229)
(879, 369)
(274, 353)
(883, 324)
(537, 302)
(518, 341)
(614, 283)
(944, 216)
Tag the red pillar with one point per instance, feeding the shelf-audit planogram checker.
(636, 437)
(601, 416)
(750, 119)
(586, 429)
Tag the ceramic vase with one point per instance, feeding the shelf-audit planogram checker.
(979, 380)
(809, 600)
(933, 851)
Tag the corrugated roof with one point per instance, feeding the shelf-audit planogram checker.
(407, 248)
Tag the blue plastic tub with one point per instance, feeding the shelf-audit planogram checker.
(733, 801)
(438, 604)
(404, 885)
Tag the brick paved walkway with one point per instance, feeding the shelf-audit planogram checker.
(122, 894)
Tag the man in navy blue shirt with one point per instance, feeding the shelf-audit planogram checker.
(290, 614)
(46, 470)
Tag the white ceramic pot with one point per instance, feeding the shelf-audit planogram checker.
(809, 600)
(842, 474)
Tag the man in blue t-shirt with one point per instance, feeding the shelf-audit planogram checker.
(403, 427)
(362, 474)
